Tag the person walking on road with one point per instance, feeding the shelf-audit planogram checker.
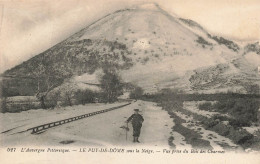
(137, 121)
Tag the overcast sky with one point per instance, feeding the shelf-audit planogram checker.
(28, 27)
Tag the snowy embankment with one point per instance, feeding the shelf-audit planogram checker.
(192, 106)
(215, 139)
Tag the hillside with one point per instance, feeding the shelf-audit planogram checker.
(149, 48)
(64, 61)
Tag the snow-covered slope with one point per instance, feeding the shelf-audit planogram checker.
(166, 48)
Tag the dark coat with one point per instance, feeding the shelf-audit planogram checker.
(137, 120)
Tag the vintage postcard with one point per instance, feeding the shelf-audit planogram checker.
(123, 81)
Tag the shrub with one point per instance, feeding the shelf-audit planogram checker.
(221, 129)
(239, 137)
(206, 106)
(243, 111)
(137, 93)
(3, 107)
(111, 85)
(253, 89)
(239, 122)
(211, 124)
(224, 106)
(203, 41)
(84, 97)
(220, 117)
(52, 99)
(230, 44)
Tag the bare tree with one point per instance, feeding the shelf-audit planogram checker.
(111, 85)
(67, 93)
(45, 82)
(136, 93)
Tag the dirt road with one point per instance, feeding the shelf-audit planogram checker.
(176, 130)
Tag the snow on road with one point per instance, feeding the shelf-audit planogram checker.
(157, 124)
(101, 130)
(27, 119)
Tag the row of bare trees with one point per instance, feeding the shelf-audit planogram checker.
(46, 79)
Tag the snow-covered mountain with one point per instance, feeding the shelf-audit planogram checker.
(151, 49)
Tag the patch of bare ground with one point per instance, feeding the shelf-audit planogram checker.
(67, 142)
(170, 142)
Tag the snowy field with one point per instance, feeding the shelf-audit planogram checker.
(215, 139)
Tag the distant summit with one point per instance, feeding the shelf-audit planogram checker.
(148, 6)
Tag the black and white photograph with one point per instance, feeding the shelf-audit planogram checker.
(129, 78)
